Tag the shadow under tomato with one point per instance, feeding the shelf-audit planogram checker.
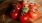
(8, 10)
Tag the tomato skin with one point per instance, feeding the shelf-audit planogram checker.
(24, 18)
(23, 4)
(30, 6)
(14, 14)
(17, 7)
(35, 6)
(34, 15)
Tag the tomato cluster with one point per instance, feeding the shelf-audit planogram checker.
(27, 11)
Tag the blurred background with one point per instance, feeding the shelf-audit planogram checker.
(5, 6)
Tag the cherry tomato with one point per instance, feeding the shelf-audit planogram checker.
(34, 14)
(14, 14)
(30, 6)
(23, 4)
(24, 18)
(25, 7)
(17, 7)
(35, 6)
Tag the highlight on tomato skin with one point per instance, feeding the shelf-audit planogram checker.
(17, 7)
(24, 18)
(14, 14)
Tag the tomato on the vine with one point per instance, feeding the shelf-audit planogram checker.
(30, 6)
(35, 6)
(17, 7)
(23, 4)
(24, 18)
(34, 15)
(14, 14)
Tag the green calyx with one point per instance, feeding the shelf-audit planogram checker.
(24, 9)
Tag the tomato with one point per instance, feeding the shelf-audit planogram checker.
(24, 18)
(25, 7)
(30, 6)
(34, 15)
(14, 14)
(35, 6)
(17, 7)
(23, 4)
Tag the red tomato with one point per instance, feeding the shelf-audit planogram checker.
(34, 15)
(24, 18)
(23, 4)
(35, 6)
(14, 14)
(17, 7)
(30, 6)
